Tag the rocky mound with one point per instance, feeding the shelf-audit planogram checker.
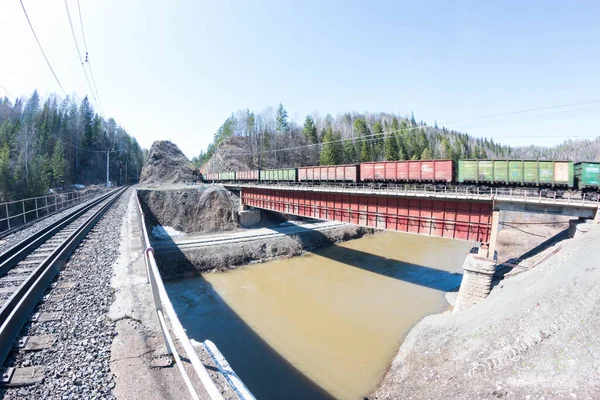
(231, 156)
(167, 164)
(203, 209)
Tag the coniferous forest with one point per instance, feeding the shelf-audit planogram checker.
(55, 142)
(269, 139)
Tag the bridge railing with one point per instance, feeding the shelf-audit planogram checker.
(528, 195)
(164, 310)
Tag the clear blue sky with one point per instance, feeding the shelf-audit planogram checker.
(176, 69)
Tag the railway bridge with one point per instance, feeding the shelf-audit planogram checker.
(463, 213)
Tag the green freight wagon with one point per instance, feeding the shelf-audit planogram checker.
(227, 176)
(279, 175)
(516, 172)
(587, 175)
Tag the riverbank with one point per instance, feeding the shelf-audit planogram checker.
(534, 337)
(175, 262)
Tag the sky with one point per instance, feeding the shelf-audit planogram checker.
(176, 70)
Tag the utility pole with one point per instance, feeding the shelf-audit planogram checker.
(126, 161)
(213, 167)
(107, 163)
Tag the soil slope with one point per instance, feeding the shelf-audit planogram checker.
(167, 164)
(536, 336)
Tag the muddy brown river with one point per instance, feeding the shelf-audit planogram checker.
(326, 324)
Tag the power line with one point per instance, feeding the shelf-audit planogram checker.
(7, 92)
(79, 55)
(538, 117)
(42, 50)
(566, 113)
(583, 102)
(87, 60)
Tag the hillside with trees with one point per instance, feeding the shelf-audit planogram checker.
(269, 139)
(55, 142)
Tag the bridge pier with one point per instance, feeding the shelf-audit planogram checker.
(476, 282)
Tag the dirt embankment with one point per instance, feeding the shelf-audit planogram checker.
(520, 232)
(175, 263)
(534, 337)
(203, 208)
(167, 165)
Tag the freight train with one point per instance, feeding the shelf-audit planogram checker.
(559, 175)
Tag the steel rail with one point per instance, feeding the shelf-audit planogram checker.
(12, 256)
(16, 310)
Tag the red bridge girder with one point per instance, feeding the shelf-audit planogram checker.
(455, 219)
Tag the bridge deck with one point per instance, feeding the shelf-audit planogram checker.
(518, 196)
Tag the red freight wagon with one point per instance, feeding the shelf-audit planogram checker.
(208, 177)
(251, 175)
(329, 173)
(412, 170)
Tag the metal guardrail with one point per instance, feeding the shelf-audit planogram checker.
(164, 306)
(17, 214)
(520, 195)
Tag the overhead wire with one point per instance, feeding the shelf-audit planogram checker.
(566, 113)
(42, 50)
(87, 59)
(583, 102)
(8, 93)
(80, 59)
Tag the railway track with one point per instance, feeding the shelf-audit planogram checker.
(26, 273)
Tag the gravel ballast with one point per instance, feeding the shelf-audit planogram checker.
(16, 237)
(77, 364)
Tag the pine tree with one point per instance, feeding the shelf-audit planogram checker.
(349, 152)
(426, 154)
(446, 149)
(5, 173)
(282, 120)
(391, 148)
(310, 130)
(401, 154)
(332, 151)
(361, 128)
(365, 154)
(59, 164)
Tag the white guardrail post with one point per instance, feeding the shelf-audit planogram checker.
(164, 306)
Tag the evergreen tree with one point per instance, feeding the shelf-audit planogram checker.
(349, 152)
(401, 154)
(391, 148)
(332, 151)
(5, 173)
(426, 154)
(310, 130)
(412, 119)
(282, 119)
(447, 149)
(361, 128)
(59, 164)
(365, 154)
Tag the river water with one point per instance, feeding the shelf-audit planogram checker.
(326, 324)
